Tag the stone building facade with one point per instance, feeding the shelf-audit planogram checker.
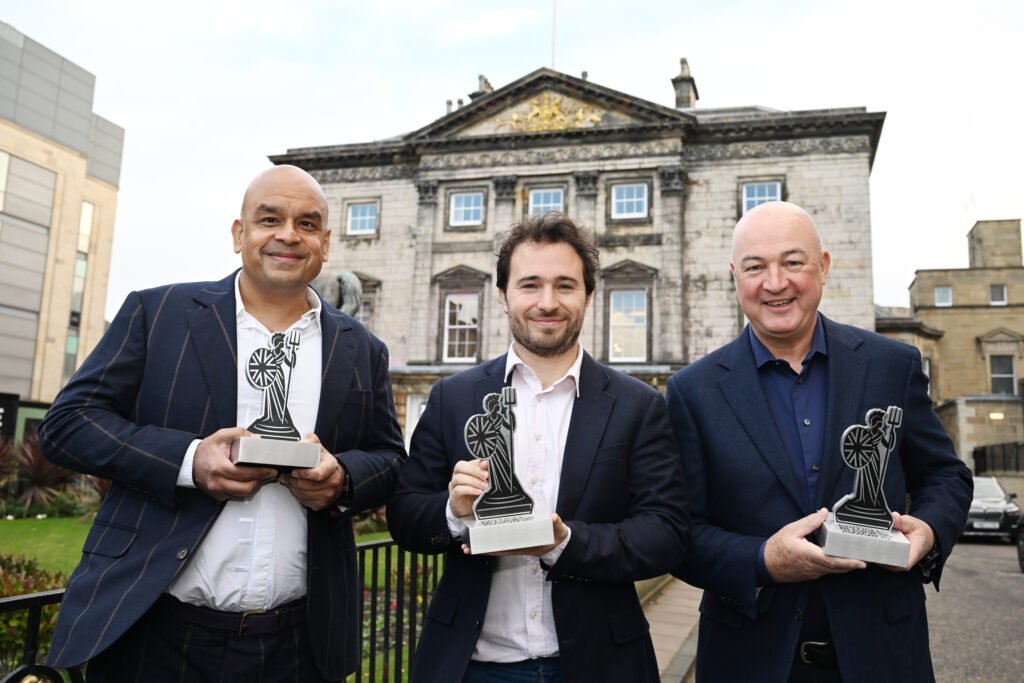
(60, 165)
(417, 217)
(968, 324)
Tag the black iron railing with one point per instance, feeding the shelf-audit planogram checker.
(1000, 457)
(396, 589)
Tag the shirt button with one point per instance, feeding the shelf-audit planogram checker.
(807, 421)
(533, 615)
(799, 380)
(815, 468)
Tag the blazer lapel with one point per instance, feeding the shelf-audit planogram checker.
(214, 334)
(590, 413)
(339, 346)
(741, 387)
(847, 377)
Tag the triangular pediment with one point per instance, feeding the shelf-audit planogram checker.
(547, 101)
(462, 275)
(1000, 334)
(629, 269)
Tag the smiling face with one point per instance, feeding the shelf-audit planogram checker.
(546, 299)
(779, 268)
(282, 233)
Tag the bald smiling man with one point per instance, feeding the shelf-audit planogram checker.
(759, 423)
(195, 568)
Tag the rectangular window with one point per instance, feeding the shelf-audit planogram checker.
(1002, 374)
(944, 295)
(997, 295)
(545, 199)
(362, 219)
(467, 208)
(78, 283)
(70, 355)
(461, 327)
(85, 227)
(365, 313)
(629, 201)
(627, 325)
(760, 193)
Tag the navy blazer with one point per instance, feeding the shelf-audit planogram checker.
(164, 374)
(743, 489)
(621, 493)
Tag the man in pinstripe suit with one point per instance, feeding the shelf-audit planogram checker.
(195, 568)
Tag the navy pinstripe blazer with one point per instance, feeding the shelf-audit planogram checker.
(162, 375)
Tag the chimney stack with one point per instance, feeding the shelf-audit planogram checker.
(448, 106)
(686, 88)
(484, 87)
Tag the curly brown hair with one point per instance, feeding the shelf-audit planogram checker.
(550, 227)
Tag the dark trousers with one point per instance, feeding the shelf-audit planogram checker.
(164, 647)
(542, 670)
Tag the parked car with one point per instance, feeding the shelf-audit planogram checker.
(993, 511)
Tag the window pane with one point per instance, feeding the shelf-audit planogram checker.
(1002, 374)
(467, 208)
(627, 325)
(461, 334)
(759, 193)
(78, 283)
(629, 201)
(1002, 365)
(362, 219)
(85, 227)
(944, 295)
(70, 354)
(548, 199)
(997, 294)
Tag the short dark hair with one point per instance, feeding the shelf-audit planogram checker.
(550, 227)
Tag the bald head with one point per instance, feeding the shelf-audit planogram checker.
(287, 179)
(776, 217)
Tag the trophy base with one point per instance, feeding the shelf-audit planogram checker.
(281, 455)
(508, 533)
(882, 546)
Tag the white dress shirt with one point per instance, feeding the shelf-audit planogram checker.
(254, 556)
(519, 623)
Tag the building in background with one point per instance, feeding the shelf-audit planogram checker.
(968, 324)
(417, 217)
(60, 165)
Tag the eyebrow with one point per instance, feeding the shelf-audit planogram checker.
(267, 208)
(787, 252)
(559, 278)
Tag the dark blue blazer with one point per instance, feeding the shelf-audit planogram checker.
(162, 375)
(621, 492)
(743, 489)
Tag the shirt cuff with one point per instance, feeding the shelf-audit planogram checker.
(549, 558)
(455, 525)
(185, 473)
(764, 578)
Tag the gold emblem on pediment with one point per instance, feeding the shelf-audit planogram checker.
(550, 112)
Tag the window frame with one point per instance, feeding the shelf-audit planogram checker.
(945, 303)
(349, 204)
(613, 184)
(530, 210)
(744, 183)
(997, 302)
(993, 376)
(624, 288)
(445, 328)
(451, 223)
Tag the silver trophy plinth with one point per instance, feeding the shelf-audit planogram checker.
(503, 516)
(859, 526)
(270, 370)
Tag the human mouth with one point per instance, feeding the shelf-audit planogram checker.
(778, 304)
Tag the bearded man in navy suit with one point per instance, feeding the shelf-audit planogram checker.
(759, 424)
(593, 448)
(197, 568)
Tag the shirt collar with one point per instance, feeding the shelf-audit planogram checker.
(311, 298)
(762, 355)
(513, 361)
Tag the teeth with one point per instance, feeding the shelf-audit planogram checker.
(777, 304)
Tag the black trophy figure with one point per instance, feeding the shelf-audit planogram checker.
(267, 371)
(489, 435)
(866, 449)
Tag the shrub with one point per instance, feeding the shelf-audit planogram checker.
(21, 576)
(39, 480)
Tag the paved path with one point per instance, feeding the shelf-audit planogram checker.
(673, 617)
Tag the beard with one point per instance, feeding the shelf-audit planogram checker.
(546, 343)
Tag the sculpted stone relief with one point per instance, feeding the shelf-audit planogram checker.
(548, 111)
(772, 148)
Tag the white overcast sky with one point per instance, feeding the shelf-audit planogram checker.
(206, 89)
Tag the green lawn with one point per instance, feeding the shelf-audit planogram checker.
(56, 543)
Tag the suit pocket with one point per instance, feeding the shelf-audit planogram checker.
(109, 540)
(442, 608)
(718, 607)
(628, 625)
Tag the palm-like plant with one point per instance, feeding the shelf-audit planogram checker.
(38, 478)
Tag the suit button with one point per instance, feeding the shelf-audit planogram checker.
(798, 615)
(477, 624)
(437, 540)
(182, 553)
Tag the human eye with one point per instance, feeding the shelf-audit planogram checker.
(309, 226)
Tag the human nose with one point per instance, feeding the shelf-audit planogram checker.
(775, 279)
(287, 233)
(547, 300)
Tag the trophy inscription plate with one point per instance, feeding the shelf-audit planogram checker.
(860, 523)
(270, 370)
(503, 516)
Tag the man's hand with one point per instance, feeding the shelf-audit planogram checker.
(319, 487)
(790, 557)
(216, 476)
(468, 481)
(920, 535)
(560, 529)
